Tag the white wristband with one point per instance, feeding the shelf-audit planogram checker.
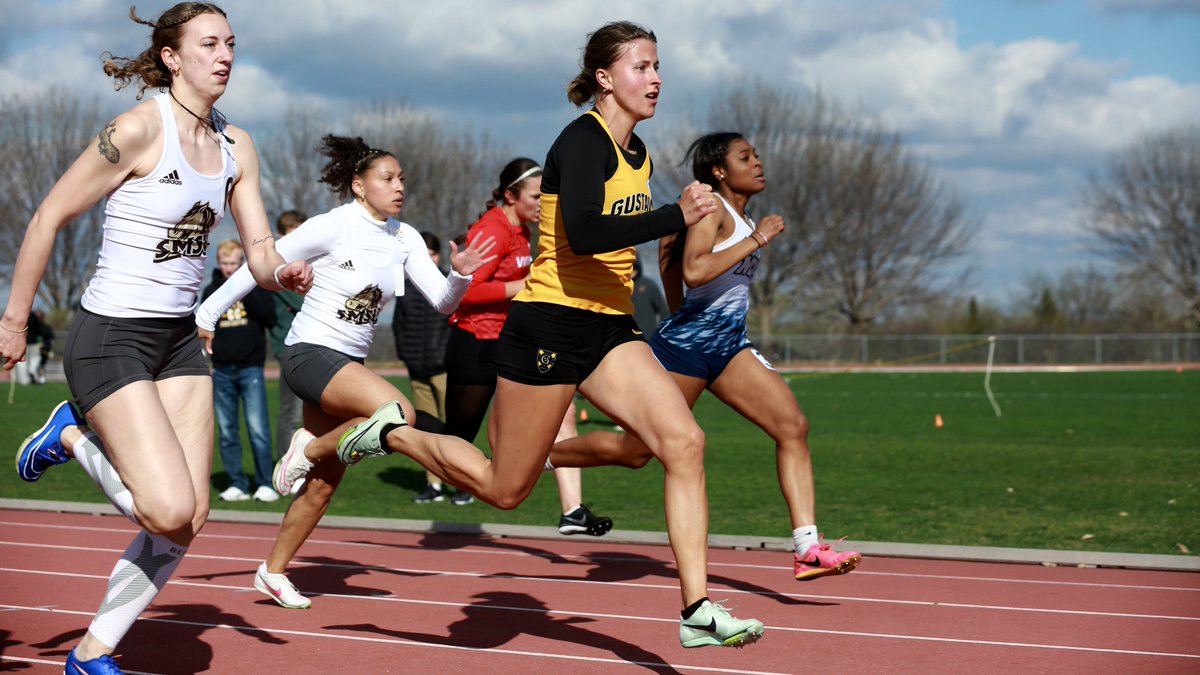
(276, 274)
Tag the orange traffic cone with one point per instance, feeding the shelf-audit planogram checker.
(937, 422)
(583, 414)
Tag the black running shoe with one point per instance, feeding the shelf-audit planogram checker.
(432, 493)
(583, 521)
(461, 498)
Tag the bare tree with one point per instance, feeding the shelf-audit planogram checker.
(1145, 212)
(870, 227)
(1085, 297)
(449, 174)
(41, 135)
(291, 166)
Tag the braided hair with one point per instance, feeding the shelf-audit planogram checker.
(148, 68)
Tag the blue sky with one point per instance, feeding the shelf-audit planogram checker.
(1014, 102)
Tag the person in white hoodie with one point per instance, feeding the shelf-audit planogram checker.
(360, 255)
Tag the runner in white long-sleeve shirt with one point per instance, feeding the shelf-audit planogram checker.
(360, 257)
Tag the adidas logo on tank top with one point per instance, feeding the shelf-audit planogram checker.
(346, 266)
(171, 178)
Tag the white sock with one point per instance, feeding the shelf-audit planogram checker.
(805, 537)
(136, 579)
(91, 457)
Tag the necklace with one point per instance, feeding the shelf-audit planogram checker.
(216, 122)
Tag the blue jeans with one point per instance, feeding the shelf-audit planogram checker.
(230, 385)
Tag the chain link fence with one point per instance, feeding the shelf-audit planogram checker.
(1030, 349)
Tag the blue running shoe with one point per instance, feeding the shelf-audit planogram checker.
(43, 449)
(104, 665)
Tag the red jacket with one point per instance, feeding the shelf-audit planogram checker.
(484, 308)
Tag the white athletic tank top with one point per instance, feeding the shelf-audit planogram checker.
(712, 318)
(156, 231)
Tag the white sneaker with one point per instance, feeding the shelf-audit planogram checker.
(712, 624)
(265, 494)
(293, 467)
(234, 493)
(278, 588)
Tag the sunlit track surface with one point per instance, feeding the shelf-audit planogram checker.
(395, 601)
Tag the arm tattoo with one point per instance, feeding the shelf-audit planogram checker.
(263, 240)
(107, 149)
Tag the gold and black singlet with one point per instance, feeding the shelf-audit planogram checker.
(596, 206)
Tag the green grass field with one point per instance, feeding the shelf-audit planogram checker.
(1081, 461)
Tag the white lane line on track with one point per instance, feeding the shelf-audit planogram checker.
(413, 643)
(610, 584)
(484, 549)
(886, 636)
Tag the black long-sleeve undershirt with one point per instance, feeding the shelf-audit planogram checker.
(577, 166)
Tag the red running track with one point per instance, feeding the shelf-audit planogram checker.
(411, 602)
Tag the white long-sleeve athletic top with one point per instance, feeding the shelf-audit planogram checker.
(359, 265)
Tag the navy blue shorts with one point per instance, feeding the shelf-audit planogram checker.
(707, 367)
(543, 343)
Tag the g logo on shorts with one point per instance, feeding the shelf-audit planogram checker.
(545, 360)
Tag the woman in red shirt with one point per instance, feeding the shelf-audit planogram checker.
(475, 329)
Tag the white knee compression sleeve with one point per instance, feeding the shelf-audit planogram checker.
(90, 454)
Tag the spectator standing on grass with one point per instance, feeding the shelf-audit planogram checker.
(239, 351)
(421, 333)
(287, 305)
(649, 305)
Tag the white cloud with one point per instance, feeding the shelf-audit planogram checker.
(1013, 124)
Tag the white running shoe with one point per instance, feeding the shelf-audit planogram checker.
(278, 588)
(712, 624)
(293, 467)
(265, 494)
(369, 437)
(234, 493)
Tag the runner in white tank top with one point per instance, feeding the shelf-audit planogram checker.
(171, 169)
(156, 232)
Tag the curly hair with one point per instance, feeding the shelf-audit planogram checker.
(704, 153)
(148, 68)
(348, 157)
(603, 48)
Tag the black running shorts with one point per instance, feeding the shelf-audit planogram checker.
(104, 353)
(544, 343)
(308, 368)
(469, 360)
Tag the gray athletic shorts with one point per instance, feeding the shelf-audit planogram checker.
(308, 368)
(105, 353)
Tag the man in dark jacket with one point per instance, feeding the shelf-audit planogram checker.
(421, 335)
(239, 349)
(649, 305)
